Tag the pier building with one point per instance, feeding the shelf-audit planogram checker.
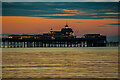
(64, 33)
(62, 38)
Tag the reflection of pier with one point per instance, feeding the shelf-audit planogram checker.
(74, 42)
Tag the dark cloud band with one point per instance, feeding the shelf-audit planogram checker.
(69, 10)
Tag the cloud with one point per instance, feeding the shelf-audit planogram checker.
(79, 10)
(103, 16)
(57, 15)
(114, 24)
(112, 13)
(76, 12)
(66, 10)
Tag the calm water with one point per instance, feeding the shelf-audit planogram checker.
(60, 62)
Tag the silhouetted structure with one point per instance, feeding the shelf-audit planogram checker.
(64, 33)
(63, 38)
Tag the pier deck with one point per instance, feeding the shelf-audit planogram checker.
(74, 42)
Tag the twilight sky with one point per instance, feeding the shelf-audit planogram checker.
(82, 17)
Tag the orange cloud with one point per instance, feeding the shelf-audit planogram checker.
(66, 10)
(70, 11)
(79, 13)
(103, 16)
(89, 14)
(57, 15)
(76, 12)
(112, 13)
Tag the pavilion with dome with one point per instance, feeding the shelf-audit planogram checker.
(65, 32)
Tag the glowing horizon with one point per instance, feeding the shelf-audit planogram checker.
(41, 25)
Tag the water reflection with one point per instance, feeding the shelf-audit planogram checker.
(60, 62)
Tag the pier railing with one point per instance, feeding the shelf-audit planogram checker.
(75, 42)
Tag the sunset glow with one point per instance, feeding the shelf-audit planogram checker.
(21, 24)
(83, 18)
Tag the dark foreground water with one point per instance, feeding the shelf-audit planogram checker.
(83, 62)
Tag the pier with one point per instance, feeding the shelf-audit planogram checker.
(62, 38)
(74, 42)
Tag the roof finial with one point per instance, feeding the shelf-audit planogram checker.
(66, 26)
(51, 30)
(66, 22)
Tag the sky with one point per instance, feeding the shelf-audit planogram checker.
(40, 17)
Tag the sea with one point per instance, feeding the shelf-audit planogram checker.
(60, 62)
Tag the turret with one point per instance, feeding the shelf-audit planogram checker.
(51, 31)
(66, 26)
(67, 31)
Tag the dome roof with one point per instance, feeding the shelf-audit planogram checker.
(63, 30)
(51, 30)
(66, 25)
